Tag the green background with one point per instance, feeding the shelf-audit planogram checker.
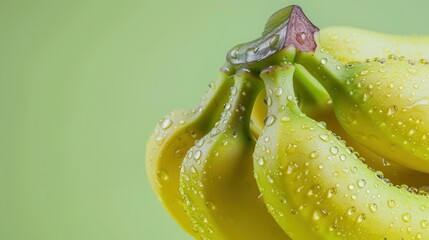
(83, 83)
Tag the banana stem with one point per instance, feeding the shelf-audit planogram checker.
(210, 103)
(325, 68)
(280, 91)
(243, 94)
(312, 96)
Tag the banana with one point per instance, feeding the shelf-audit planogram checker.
(349, 44)
(382, 103)
(175, 134)
(316, 188)
(315, 103)
(216, 180)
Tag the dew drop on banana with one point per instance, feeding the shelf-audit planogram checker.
(334, 150)
(406, 217)
(351, 210)
(197, 155)
(373, 207)
(361, 218)
(166, 123)
(261, 161)
(424, 224)
(314, 154)
(162, 175)
(361, 183)
(324, 137)
(269, 120)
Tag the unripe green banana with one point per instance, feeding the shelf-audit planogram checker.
(175, 134)
(349, 44)
(316, 188)
(219, 191)
(382, 103)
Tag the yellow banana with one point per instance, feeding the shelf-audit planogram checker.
(382, 103)
(321, 109)
(175, 134)
(216, 179)
(349, 44)
(316, 188)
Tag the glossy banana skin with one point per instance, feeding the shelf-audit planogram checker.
(349, 44)
(382, 103)
(216, 180)
(316, 188)
(321, 109)
(175, 134)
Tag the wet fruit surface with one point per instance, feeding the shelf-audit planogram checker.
(335, 148)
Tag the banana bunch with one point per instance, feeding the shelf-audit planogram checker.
(305, 134)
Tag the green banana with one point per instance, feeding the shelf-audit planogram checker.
(316, 188)
(175, 134)
(216, 180)
(349, 44)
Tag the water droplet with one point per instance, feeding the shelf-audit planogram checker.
(261, 161)
(268, 101)
(278, 91)
(200, 143)
(361, 218)
(210, 206)
(233, 54)
(391, 203)
(162, 175)
(316, 215)
(227, 106)
(351, 210)
(197, 154)
(160, 139)
(373, 207)
(285, 119)
(392, 110)
(214, 132)
(406, 217)
(269, 120)
(324, 137)
(291, 167)
(273, 41)
(331, 192)
(314, 155)
(424, 224)
(324, 61)
(364, 72)
(233, 90)
(361, 183)
(334, 150)
(342, 157)
(351, 187)
(166, 123)
(300, 37)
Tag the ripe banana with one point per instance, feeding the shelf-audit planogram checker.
(216, 180)
(382, 103)
(349, 44)
(315, 103)
(316, 188)
(175, 134)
